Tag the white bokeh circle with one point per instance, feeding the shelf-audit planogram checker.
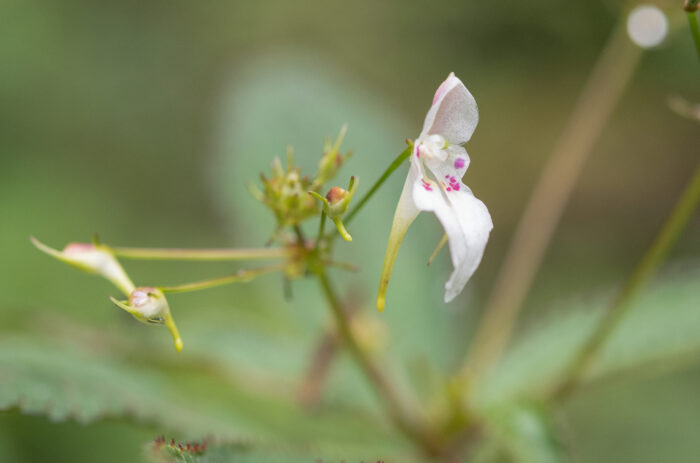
(647, 26)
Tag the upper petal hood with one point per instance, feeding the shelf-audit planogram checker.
(454, 113)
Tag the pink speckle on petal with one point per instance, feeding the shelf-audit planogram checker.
(77, 248)
(442, 88)
(418, 151)
(459, 163)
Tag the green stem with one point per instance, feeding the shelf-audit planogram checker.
(382, 386)
(301, 240)
(389, 170)
(170, 324)
(202, 254)
(342, 265)
(321, 228)
(646, 268)
(694, 29)
(341, 229)
(242, 276)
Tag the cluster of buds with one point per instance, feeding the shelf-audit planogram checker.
(285, 191)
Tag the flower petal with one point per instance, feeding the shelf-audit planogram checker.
(406, 212)
(453, 168)
(454, 113)
(466, 221)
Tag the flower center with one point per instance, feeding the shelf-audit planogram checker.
(432, 147)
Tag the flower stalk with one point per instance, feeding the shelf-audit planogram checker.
(384, 389)
(395, 164)
(211, 255)
(694, 28)
(242, 276)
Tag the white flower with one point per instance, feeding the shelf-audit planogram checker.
(434, 184)
(91, 258)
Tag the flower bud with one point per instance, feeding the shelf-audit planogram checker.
(336, 194)
(91, 258)
(284, 193)
(336, 203)
(149, 305)
(338, 199)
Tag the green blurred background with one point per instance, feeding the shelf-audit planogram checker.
(142, 121)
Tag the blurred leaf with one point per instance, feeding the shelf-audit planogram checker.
(658, 333)
(650, 421)
(525, 432)
(62, 382)
(234, 452)
(67, 382)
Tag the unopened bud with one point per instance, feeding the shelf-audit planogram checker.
(149, 305)
(336, 194)
(338, 199)
(336, 203)
(91, 258)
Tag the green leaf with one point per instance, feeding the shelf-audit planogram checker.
(525, 432)
(238, 453)
(62, 382)
(658, 333)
